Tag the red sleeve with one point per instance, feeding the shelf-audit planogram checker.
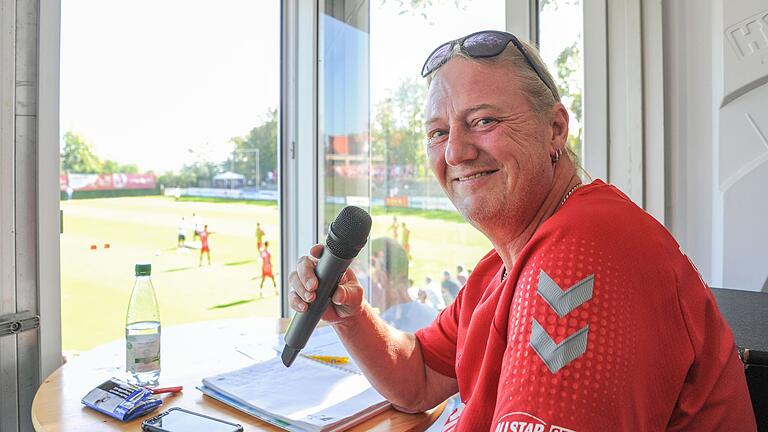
(595, 340)
(717, 398)
(438, 340)
(646, 349)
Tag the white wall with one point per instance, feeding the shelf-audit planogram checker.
(716, 116)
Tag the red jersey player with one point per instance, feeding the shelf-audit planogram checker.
(204, 246)
(266, 268)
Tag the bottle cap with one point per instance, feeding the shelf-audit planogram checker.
(143, 269)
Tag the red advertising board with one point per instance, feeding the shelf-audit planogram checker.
(84, 182)
(134, 181)
(63, 182)
(396, 201)
(88, 182)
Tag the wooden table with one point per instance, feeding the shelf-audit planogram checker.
(189, 353)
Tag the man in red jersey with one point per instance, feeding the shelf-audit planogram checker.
(585, 316)
(204, 247)
(266, 268)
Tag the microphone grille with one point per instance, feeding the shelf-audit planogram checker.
(349, 232)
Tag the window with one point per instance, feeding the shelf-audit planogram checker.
(421, 249)
(168, 124)
(561, 47)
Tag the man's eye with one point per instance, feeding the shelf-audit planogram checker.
(485, 121)
(435, 134)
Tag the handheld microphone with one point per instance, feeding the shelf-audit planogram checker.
(346, 237)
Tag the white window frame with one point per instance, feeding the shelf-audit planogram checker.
(49, 222)
(624, 99)
(298, 160)
(522, 19)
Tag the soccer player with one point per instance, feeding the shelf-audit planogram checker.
(204, 246)
(406, 240)
(394, 227)
(266, 268)
(181, 237)
(197, 226)
(259, 236)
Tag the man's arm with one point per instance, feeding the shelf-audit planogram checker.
(393, 362)
(390, 359)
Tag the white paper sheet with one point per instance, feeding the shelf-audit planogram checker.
(310, 393)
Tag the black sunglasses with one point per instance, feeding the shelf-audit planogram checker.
(483, 44)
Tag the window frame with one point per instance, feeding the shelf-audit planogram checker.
(49, 214)
(298, 155)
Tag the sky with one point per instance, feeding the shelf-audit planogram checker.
(164, 83)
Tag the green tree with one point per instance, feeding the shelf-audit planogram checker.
(397, 135)
(77, 156)
(173, 179)
(256, 153)
(555, 4)
(110, 167)
(198, 174)
(568, 69)
(420, 7)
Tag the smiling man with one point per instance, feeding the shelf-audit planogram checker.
(585, 316)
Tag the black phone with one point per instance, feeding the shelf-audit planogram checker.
(181, 420)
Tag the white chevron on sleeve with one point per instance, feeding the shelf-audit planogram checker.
(563, 302)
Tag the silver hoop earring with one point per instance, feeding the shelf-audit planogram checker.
(556, 157)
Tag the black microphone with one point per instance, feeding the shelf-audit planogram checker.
(346, 236)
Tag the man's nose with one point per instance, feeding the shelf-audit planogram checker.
(460, 147)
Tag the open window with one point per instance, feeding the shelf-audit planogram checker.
(169, 139)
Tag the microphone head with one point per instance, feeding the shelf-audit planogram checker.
(349, 232)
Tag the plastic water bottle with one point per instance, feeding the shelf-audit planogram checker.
(142, 330)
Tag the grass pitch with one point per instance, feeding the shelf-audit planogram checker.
(96, 284)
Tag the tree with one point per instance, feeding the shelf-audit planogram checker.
(420, 7)
(77, 156)
(568, 68)
(194, 175)
(262, 138)
(568, 65)
(555, 4)
(110, 167)
(397, 134)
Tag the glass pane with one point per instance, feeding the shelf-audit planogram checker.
(560, 34)
(409, 205)
(343, 94)
(169, 125)
(421, 249)
(344, 114)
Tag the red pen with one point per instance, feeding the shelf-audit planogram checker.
(167, 390)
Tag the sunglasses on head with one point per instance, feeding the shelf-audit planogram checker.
(483, 44)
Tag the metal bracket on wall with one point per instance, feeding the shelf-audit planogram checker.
(18, 322)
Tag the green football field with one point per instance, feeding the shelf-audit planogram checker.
(96, 283)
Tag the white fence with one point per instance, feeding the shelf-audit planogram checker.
(266, 195)
(415, 202)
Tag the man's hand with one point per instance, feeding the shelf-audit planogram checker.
(346, 302)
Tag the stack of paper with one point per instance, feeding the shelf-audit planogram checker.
(308, 396)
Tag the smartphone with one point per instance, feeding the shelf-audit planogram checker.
(181, 420)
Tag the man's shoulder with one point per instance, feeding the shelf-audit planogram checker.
(601, 217)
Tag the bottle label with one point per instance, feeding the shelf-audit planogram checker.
(143, 353)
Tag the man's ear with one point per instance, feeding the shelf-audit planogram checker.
(559, 126)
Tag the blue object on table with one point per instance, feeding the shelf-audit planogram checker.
(121, 400)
